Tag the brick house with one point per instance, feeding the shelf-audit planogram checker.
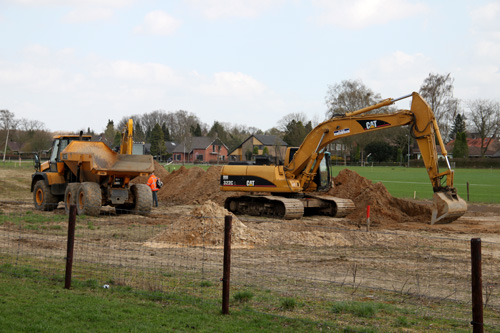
(200, 149)
(474, 145)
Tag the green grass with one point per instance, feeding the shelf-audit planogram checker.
(401, 182)
(173, 167)
(32, 301)
(33, 305)
(33, 221)
(14, 164)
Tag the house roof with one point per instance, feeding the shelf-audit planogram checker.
(474, 145)
(266, 140)
(197, 142)
(269, 140)
(170, 146)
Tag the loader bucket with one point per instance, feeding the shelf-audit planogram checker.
(447, 208)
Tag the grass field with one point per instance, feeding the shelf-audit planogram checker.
(401, 182)
(33, 302)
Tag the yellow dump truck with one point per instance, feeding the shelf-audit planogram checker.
(89, 174)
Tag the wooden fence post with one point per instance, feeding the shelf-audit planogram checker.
(477, 286)
(226, 278)
(70, 246)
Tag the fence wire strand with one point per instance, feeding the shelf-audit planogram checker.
(326, 263)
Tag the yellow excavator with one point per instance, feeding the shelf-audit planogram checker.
(289, 189)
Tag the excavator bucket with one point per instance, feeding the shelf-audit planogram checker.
(447, 208)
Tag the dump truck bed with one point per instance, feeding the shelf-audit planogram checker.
(96, 159)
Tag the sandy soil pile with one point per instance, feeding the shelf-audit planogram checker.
(205, 227)
(192, 186)
(384, 209)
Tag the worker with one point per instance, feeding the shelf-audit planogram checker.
(152, 184)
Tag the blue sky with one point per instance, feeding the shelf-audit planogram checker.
(74, 64)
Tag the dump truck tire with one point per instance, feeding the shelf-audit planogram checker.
(143, 198)
(89, 199)
(70, 195)
(42, 198)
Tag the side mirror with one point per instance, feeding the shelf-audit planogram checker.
(36, 162)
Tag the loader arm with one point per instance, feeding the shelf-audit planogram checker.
(127, 142)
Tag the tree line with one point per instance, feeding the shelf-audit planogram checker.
(456, 120)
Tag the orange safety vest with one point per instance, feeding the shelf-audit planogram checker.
(152, 183)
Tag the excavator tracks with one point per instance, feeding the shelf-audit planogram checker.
(328, 205)
(269, 206)
(289, 208)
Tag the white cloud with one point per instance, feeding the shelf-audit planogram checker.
(358, 14)
(217, 9)
(486, 31)
(397, 74)
(88, 14)
(98, 3)
(68, 92)
(487, 17)
(158, 23)
(234, 85)
(136, 73)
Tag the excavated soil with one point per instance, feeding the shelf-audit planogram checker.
(384, 208)
(204, 227)
(192, 186)
(196, 186)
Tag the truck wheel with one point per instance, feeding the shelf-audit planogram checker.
(143, 198)
(70, 195)
(89, 199)
(43, 199)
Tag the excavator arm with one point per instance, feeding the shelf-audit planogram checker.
(303, 166)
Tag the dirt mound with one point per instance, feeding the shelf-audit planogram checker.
(195, 186)
(192, 186)
(384, 209)
(205, 227)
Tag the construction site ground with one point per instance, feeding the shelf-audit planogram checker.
(188, 188)
(191, 195)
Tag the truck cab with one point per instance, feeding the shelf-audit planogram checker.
(60, 142)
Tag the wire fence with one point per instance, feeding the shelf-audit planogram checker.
(183, 253)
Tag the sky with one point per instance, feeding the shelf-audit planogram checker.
(75, 64)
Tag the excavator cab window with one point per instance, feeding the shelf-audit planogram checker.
(322, 178)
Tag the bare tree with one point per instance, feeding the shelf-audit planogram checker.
(7, 123)
(287, 119)
(485, 120)
(29, 125)
(348, 96)
(437, 90)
